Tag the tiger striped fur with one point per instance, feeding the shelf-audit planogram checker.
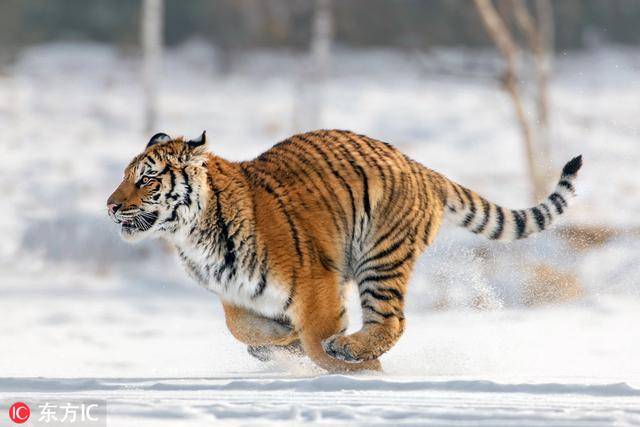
(279, 237)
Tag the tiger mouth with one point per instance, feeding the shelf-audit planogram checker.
(141, 222)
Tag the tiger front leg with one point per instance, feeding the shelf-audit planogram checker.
(265, 353)
(255, 330)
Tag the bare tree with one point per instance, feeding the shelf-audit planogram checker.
(535, 133)
(540, 41)
(544, 12)
(151, 34)
(321, 37)
(309, 107)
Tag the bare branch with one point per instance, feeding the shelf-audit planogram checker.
(499, 33)
(538, 45)
(527, 25)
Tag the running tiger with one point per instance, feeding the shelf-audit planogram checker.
(278, 237)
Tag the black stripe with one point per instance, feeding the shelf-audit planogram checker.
(391, 249)
(566, 184)
(376, 293)
(326, 261)
(390, 173)
(373, 162)
(173, 217)
(394, 265)
(169, 194)
(348, 156)
(163, 171)
(539, 218)
(419, 182)
(193, 268)
(223, 230)
(365, 156)
(251, 261)
(301, 152)
(188, 189)
(472, 208)
(427, 229)
(271, 191)
(557, 203)
(262, 283)
(520, 218)
(295, 156)
(458, 194)
(266, 157)
(340, 178)
(548, 212)
(497, 233)
(379, 278)
(365, 186)
(386, 315)
(559, 196)
(485, 211)
(395, 227)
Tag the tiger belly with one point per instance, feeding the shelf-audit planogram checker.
(238, 288)
(270, 303)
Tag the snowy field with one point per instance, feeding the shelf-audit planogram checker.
(84, 315)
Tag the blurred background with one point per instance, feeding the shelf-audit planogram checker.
(497, 95)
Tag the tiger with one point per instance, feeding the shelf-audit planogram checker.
(281, 238)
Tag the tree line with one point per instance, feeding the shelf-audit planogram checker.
(243, 24)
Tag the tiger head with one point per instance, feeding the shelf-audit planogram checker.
(161, 187)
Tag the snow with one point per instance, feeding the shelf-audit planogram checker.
(85, 315)
(166, 359)
(342, 399)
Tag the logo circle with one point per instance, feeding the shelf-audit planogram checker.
(19, 412)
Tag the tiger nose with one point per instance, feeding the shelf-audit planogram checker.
(113, 207)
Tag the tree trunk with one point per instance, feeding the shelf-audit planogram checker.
(503, 39)
(321, 37)
(310, 96)
(544, 12)
(151, 35)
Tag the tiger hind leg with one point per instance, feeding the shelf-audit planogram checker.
(382, 301)
(321, 318)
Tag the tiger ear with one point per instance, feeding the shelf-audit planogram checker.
(158, 138)
(199, 141)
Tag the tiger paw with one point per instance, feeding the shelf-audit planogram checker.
(261, 352)
(340, 347)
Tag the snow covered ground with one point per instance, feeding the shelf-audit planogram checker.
(168, 360)
(84, 315)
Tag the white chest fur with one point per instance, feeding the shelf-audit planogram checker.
(234, 285)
